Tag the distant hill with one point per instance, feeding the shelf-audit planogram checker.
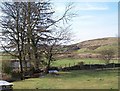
(90, 47)
(94, 44)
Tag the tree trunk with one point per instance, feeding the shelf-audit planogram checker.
(36, 61)
(49, 62)
(21, 70)
(19, 46)
(29, 34)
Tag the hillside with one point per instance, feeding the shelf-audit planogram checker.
(89, 48)
(94, 44)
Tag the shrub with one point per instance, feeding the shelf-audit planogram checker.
(80, 63)
(6, 67)
(5, 76)
(15, 75)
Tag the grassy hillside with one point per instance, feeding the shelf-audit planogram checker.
(91, 46)
(95, 43)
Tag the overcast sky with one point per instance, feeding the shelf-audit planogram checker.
(94, 19)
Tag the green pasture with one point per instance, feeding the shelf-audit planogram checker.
(82, 79)
(68, 61)
(71, 61)
(6, 57)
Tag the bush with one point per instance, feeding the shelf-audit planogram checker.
(80, 63)
(5, 76)
(15, 75)
(6, 67)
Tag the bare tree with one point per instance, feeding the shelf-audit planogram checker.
(107, 54)
(41, 28)
(29, 25)
(11, 31)
(38, 13)
(53, 44)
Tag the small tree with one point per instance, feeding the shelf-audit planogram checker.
(106, 54)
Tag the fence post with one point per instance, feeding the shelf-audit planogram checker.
(69, 64)
(60, 67)
(90, 65)
(74, 63)
(65, 65)
(113, 64)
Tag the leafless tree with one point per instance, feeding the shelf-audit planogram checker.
(107, 54)
(10, 24)
(42, 26)
(27, 26)
(54, 43)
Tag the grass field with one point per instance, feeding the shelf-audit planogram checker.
(67, 61)
(82, 79)
(6, 57)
